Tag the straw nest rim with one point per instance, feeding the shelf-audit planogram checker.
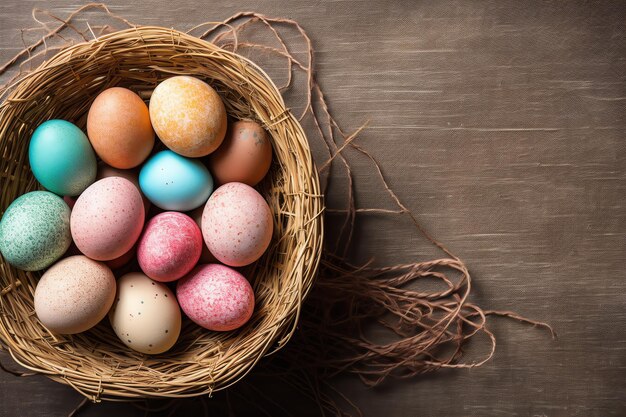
(96, 363)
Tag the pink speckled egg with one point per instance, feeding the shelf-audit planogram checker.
(237, 224)
(216, 297)
(107, 218)
(169, 247)
(74, 295)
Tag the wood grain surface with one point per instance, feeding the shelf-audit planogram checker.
(501, 124)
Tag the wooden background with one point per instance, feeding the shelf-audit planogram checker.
(501, 124)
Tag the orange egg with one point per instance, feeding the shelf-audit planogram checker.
(188, 116)
(118, 126)
(244, 156)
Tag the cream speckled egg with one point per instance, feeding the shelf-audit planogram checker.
(107, 218)
(237, 224)
(145, 315)
(188, 116)
(74, 295)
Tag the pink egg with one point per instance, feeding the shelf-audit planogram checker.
(216, 297)
(237, 224)
(169, 247)
(107, 218)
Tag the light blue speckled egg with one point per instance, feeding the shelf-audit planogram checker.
(62, 158)
(35, 230)
(173, 182)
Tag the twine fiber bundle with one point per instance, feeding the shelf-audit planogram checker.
(424, 305)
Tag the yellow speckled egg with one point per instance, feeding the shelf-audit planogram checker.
(188, 116)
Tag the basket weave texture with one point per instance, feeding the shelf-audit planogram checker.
(96, 363)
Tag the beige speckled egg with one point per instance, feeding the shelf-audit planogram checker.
(145, 315)
(74, 295)
(188, 116)
(107, 218)
(237, 224)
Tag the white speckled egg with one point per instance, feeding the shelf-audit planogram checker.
(74, 295)
(145, 315)
(237, 224)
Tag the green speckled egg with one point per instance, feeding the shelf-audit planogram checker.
(35, 230)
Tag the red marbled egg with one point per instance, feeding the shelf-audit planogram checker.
(169, 247)
(216, 297)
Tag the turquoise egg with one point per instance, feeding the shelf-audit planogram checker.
(35, 230)
(62, 158)
(173, 182)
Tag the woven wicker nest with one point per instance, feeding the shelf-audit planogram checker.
(95, 363)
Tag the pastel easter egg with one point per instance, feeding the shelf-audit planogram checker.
(35, 230)
(244, 156)
(188, 116)
(119, 128)
(74, 295)
(169, 247)
(145, 315)
(173, 182)
(61, 158)
(216, 297)
(107, 218)
(237, 224)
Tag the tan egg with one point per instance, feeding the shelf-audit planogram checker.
(132, 175)
(122, 260)
(244, 156)
(119, 128)
(188, 116)
(74, 295)
(145, 315)
(206, 257)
